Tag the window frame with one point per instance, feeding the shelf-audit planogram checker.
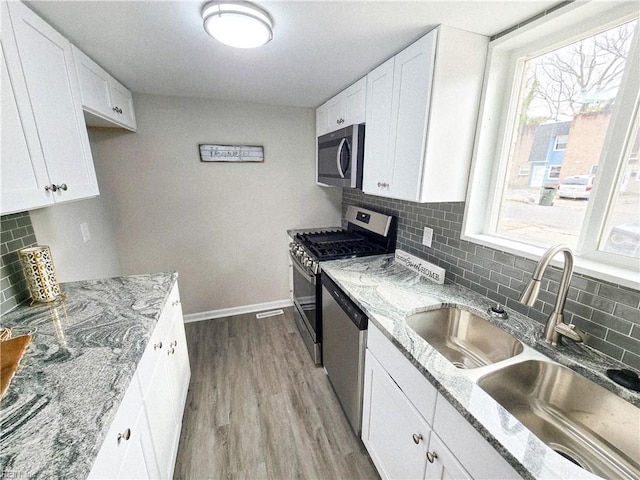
(497, 125)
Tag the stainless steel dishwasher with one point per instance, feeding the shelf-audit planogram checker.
(344, 332)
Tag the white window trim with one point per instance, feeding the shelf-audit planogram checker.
(494, 131)
(555, 143)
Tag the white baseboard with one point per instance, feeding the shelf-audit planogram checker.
(227, 312)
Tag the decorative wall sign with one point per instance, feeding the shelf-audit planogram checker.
(424, 268)
(231, 153)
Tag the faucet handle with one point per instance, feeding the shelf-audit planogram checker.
(570, 331)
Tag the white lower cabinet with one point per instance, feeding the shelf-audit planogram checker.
(152, 409)
(127, 451)
(442, 464)
(393, 431)
(413, 432)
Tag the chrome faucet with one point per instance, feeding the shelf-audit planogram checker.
(555, 325)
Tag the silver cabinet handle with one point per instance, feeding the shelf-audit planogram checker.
(126, 435)
(382, 185)
(175, 303)
(174, 343)
(417, 437)
(157, 346)
(431, 456)
(54, 188)
(117, 110)
(169, 352)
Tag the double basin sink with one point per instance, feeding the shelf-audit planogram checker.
(580, 420)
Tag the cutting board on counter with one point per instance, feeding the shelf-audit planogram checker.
(11, 352)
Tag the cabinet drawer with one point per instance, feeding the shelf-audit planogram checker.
(473, 451)
(414, 385)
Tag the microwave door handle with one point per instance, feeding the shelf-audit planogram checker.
(338, 155)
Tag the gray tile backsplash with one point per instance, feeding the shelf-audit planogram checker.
(608, 312)
(17, 232)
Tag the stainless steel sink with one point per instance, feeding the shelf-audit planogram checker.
(580, 420)
(465, 339)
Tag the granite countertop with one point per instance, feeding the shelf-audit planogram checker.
(387, 292)
(75, 372)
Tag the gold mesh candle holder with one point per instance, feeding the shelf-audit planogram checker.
(40, 274)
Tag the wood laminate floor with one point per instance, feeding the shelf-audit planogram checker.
(258, 408)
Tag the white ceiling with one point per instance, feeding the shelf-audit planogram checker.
(319, 47)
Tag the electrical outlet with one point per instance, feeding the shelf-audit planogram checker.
(427, 237)
(86, 234)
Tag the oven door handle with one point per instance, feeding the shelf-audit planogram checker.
(309, 278)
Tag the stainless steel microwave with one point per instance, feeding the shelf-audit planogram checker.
(340, 156)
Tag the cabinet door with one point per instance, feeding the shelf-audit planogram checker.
(23, 173)
(94, 85)
(161, 414)
(335, 114)
(322, 121)
(391, 427)
(377, 160)
(354, 101)
(413, 71)
(122, 104)
(442, 464)
(126, 451)
(56, 104)
(179, 368)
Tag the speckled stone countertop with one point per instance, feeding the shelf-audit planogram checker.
(387, 292)
(74, 374)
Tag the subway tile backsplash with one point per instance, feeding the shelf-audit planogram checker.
(17, 232)
(608, 312)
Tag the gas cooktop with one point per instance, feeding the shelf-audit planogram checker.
(333, 244)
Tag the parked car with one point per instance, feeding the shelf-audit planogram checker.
(624, 239)
(576, 186)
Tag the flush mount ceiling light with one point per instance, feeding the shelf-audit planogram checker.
(237, 24)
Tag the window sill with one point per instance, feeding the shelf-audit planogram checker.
(596, 270)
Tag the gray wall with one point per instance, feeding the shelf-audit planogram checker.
(608, 312)
(221, 226)
(17, 233)
(59, 227)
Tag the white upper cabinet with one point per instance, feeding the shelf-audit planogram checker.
(421, 114)
(23, 171)
(45, 96)
(346, 108)
(106, 102)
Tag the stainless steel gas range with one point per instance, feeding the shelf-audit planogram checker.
(367, 233)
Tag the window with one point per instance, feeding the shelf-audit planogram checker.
(561, 142)
(556, 157)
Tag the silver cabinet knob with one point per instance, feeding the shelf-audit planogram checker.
(417, 437)
(126, 435)
(54, 188)
(157, 346)
(431, 456)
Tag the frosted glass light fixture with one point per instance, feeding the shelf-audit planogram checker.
(237, 24)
